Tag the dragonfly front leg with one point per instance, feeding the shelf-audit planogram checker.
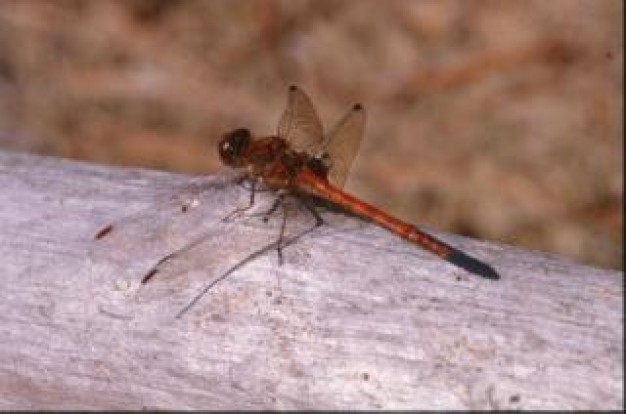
(240, 210)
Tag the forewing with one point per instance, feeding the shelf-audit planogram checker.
(300, 125)
(152, 231)
(342, 143)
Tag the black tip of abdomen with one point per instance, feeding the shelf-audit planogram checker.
(472, 265)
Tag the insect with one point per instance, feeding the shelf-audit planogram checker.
(300, 159)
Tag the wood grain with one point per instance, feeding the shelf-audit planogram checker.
(353, 318)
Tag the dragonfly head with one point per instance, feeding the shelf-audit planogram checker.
(233, 146)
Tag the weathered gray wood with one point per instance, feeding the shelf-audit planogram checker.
(354, 318)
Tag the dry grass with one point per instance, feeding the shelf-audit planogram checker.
(500, 120)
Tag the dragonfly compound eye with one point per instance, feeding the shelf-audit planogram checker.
(233, 146)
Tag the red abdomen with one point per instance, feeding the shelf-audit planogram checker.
(312, 184)
(309, 182)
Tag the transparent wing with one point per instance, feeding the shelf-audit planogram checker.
(342, 143)
(162, 226)
(300, 125)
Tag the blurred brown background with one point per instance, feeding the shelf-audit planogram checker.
(497, 120)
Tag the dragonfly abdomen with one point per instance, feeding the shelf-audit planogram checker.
(310, 183)
(367, 211)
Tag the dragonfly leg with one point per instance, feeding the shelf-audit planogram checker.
(249, 182)
(318, 219)
(266, 214)
(238, 211)
(281, 235)
(279, 202)
(280, 243)
(284, 243)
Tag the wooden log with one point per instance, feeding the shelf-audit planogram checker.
(353, 318)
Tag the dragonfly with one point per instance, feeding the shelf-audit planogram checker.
(301, 159)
